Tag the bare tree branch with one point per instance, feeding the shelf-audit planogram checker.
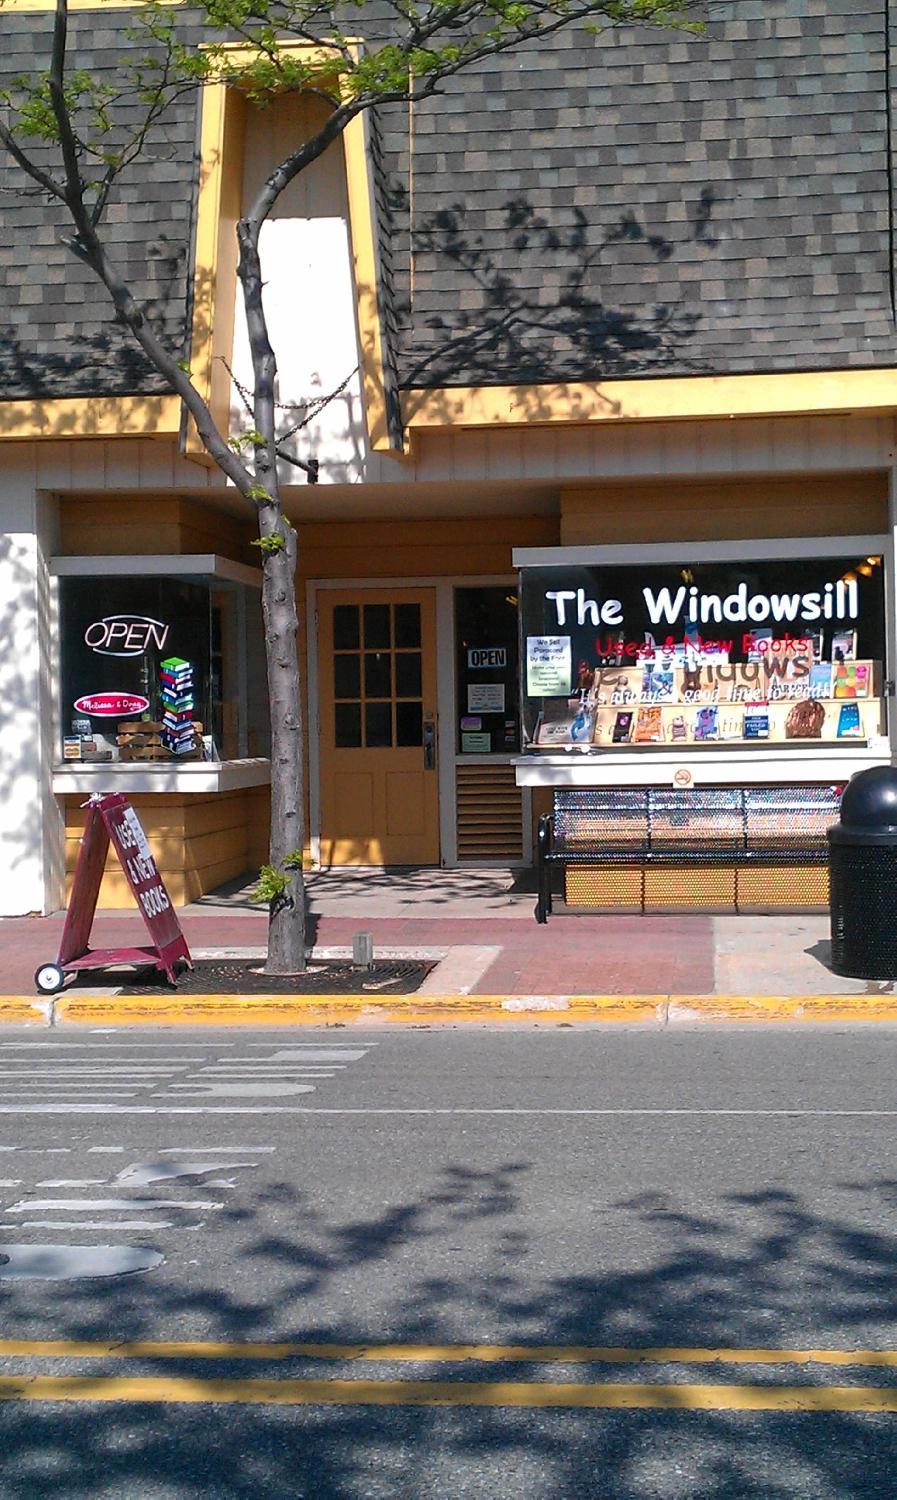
(36, 173)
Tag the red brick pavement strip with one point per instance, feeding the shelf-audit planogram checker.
(610, 955)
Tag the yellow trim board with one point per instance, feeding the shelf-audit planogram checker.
(91, 417)
(677, 399)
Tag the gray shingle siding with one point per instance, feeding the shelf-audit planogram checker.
(642, 204)
(57, 335)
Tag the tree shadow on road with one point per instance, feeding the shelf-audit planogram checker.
(460, 1262)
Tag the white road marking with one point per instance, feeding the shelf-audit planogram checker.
(785, 1114)
(105, 1205)
(58, 1182)
(226, 1075)
(210, 1150)
(141, 1174)
(328, 1046)
(64, 1089)
(311, 1053)
(291, 1070)
(97, 1224)
(270, 1088)
(126, 1049)
(68, 1262)
(151, 1109)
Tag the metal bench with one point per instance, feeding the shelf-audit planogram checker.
(725, 826)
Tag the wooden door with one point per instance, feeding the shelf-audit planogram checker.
(377, 677)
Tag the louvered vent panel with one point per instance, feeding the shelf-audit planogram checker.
(490, 820)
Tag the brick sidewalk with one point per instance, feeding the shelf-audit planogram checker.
(509, 955)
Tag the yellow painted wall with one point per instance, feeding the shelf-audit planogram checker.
(419, 549)
(721, 510)
(121, 524)
(198, 842)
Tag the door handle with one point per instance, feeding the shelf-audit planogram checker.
(429, 744)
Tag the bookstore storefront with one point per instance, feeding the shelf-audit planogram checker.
(705, 665)
(161, 695)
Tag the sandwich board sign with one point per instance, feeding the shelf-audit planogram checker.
(112, 820)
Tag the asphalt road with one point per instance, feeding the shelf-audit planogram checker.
(602, 1192)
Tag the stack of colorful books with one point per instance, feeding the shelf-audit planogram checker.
(178, 734)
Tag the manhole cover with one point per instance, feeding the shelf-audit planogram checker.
(396, 976)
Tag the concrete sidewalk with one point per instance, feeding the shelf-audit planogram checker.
(480, 925)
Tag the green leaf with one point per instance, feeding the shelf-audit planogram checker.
(270, 886)
(268, 544)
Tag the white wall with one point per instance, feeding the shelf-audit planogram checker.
(32, 847)
(309, 296)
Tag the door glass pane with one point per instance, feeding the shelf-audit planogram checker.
(347, 726)
(408, 678)
(407, 624)
(486, 670)
(409, 723)
(377, 724)
(345, 627)
(377, 683)
(376, 627)
(346, 677)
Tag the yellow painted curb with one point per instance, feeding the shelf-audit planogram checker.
(432, 1010)
(23, 1010)
(323, 1010)
(683, 1009)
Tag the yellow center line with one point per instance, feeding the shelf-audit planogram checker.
(175, 1389)
(440, 1353)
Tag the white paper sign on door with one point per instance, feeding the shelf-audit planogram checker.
(549, 665)
(485, 698)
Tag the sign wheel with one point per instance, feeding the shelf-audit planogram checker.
(49, 979)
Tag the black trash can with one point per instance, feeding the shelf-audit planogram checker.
(863, 877)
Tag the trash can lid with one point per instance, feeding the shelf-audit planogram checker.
(869, 803)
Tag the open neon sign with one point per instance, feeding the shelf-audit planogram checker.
(125, 635)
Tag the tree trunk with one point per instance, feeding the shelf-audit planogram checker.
(286, 920)
(286, 925)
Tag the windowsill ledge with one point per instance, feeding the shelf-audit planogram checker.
(143, 776)
(712, 764)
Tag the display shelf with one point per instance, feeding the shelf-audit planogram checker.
(645, 707)
(163, 776)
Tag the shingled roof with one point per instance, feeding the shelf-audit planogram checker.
(635, 205)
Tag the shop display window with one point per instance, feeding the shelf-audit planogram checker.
(766, 652)
(162, 669)
(486, 654)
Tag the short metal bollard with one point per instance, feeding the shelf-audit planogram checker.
(363, 950)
